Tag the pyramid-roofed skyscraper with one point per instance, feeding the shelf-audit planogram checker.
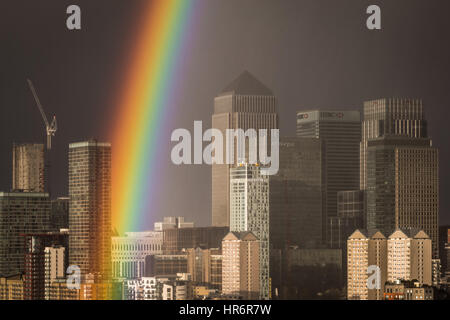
(246, 103)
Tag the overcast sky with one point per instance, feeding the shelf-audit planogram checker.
(312, 54)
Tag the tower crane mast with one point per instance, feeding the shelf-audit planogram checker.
(50, 128)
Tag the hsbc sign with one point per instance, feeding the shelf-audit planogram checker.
(328, 115)
(338, 115)
(315, 115)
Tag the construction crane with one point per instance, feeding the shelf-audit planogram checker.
(50, 128)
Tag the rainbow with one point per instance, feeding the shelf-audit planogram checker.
(142, 111)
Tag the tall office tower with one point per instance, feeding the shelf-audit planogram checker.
(90, 207)
(249, 206)
(296, 194)
(244, 104)
(403, 185)
(28, 167)
(20, 213)
(240, 265)
(364, 250)
(59, 213)
(409, 256)
(389, 117)
(341, 132)
(36, 245)
(55, 266)
(128, 253)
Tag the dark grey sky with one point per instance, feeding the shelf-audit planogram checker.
(312, 53)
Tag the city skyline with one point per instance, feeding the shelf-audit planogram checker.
(389, 64)
(224, 150)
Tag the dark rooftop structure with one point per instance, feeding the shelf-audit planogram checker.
(247, 84)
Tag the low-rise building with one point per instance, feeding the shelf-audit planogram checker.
(128, 253)
(407, 290)
(58, 290)
(158, 288)
(11, 288)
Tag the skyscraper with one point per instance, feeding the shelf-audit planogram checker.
(249, 196)
(296, 194)
(341, 132)
(90, 207)
(399, 168)
(390, 117)
(403, 185)
(244, 104)
(28, 167)
(20, 213)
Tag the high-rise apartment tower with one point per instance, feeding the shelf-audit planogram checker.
(90, 207)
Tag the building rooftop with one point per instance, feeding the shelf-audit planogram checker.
(409, 233)
(89, 143)
(24, 194)
(241, 235)
(246, 84)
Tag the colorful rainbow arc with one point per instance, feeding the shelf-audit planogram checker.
(142, 108)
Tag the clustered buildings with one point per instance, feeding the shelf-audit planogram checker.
(351, 214)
